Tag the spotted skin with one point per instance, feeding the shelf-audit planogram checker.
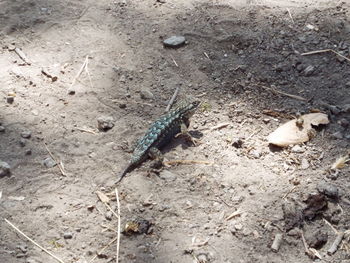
(161, 132)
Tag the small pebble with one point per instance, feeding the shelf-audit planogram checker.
(22, 142)
(2, 128)
(167, 176)
(346, 108)
(26, 134)
(328, 189)
(122, 79)
(337, 135)
(309, 71)
(109, 215)
(122, 105)
(304, 164)
(344, 122)
(146, 94)
(49, 162)
(70, 91)
(237, 142)
(68, 235)
(105, 123)
(28, 152)
(297, 149)
(256, 154)
(174, 41)
(5, 169)
(10, 99)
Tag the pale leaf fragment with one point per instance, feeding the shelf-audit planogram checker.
(290, 133)
(104, 198)
(340, 163)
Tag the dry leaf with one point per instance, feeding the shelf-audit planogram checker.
(289, 133)
(340, 163)
(104, 198)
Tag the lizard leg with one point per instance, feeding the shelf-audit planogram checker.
(157, 156)
(186, 135)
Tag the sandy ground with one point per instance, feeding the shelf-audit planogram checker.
(236, 51)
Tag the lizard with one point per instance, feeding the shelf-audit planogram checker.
(175, 121)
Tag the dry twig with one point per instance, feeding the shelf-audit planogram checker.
(336, 243)
(220, 126)
(59, 162)
(171, 101)
(31, 240)
(274, 90)
(86, 130)
(277, 242)
(325, 51)
(188, 162)
(103, 249)
(80, 71)
(234, 214)
(23, 56)
(290, 15)
(118, 229)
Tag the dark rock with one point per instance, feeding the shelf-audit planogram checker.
(5, 169)
(292, 215)
(68, 235)
(344, 123)
(10, 99)
(174, 41)
(122, 105)
(28, 152)
(237, 142)
(316, 239)
(329, 190)
(316, 204)
(2, 128)
(105, 123)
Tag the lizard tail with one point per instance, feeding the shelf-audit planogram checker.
(126, 170)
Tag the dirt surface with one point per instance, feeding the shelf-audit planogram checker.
(236, 54)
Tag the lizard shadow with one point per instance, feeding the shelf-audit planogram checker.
(182, 141)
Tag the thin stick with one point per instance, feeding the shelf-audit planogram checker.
(284, 93)
(86, 130)
(174, 61)
(188, 162)
(234, 214)
(23, 56)
(118, 229)
(324, 51)
(103, 249)
(336, 243)
(59, 163)
(220, 126)
(171, 101)
(331, 226)
(290, 15)
(88, 73)
(205, 54)
(277, 242)
(80, 71)
(31, 240)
